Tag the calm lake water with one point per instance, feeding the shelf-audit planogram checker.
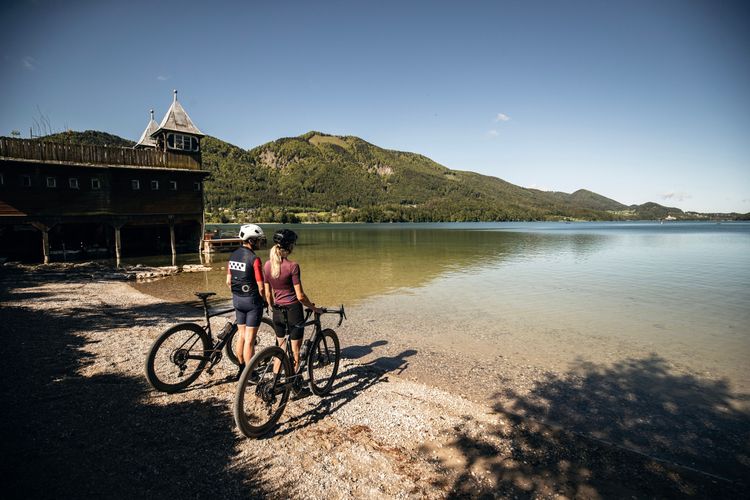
(678, 289)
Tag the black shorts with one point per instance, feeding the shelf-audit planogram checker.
(249, 310)
(294, 316)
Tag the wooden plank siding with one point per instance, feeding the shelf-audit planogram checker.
(114, 196)
(80, 154)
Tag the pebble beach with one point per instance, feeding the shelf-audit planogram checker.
(402, 421)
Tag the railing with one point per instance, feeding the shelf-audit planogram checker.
(27, 149)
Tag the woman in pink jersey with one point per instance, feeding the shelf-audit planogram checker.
(283, 289)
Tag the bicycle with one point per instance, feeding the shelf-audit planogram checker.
(180, 354)
(264, 386)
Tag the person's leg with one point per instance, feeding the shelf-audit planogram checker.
(240, 315)
(279, 326)
(296, 317)
(251, 329)
(250, 333)
(241, 344)
(295, 352)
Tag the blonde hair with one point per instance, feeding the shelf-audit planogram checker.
(276, 256)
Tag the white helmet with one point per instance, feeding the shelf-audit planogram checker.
(251, 232)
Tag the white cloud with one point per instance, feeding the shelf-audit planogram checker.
(492, 133)
(675, 196)
(540, 188)
(29, 63)
(502, 117)
(162, 78)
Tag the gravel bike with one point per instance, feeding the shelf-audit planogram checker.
(264, 386)
(184, 351)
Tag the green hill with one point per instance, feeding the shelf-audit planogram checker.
(321, 177)
(348, 178)
(92, 137)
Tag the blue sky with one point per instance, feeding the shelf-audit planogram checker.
(636, 100)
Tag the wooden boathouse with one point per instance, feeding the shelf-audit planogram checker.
(62, 201)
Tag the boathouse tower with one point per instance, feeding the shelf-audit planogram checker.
(61, 200)
(177, 133)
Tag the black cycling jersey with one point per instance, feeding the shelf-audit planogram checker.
(241, 268)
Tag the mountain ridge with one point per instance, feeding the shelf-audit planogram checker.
(323, 177)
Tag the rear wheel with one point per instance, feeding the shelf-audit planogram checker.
(177, 357)
(266, 334)
(323, 362)
(262, 394)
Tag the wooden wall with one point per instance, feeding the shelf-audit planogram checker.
(115, 195)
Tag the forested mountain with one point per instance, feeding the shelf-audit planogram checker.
(321, 177)
(92, 137)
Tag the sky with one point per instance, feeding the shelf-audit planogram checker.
(635, 100)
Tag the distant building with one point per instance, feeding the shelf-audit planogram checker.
(67, 201)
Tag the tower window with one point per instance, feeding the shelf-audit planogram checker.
(73, 183)
(182, 142)
(135, 184)
(26, 180)
(2, 179)
(96, 183)
(51, 182)
(173, 185)
(154, 185)
(197, 186)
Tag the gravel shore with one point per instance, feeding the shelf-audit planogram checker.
(402, 421)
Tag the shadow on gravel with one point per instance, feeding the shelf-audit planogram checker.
(349, 384)
(609, 426)
(69, 436)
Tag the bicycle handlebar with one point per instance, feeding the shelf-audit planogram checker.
(340, 311)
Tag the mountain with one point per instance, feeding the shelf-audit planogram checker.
(92, 137)
(350, 179)
(321, 177)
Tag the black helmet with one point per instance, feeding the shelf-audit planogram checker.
(285, 238)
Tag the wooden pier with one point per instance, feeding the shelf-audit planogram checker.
(214, 245)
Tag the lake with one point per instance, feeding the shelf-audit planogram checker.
(551, 293)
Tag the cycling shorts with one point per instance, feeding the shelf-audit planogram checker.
(294, 316)
(249, 310)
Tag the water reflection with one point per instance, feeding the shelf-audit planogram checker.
(350, 263)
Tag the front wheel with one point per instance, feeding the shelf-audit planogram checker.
(323, 362)
(262, 392)
(177, 357)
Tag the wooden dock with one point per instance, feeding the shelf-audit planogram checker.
(214, 245)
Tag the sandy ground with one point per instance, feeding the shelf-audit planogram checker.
(403, 421)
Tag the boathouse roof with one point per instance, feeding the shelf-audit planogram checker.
(146, 141)
(177, 120)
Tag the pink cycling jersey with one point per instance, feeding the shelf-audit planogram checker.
(283, 286)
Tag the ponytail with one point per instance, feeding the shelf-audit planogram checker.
(275, 258)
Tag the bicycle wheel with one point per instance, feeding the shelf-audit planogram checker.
(266, 334)
(323, 362)
(177, 357)
(262, 394)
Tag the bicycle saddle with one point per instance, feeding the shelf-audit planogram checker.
(203, 295)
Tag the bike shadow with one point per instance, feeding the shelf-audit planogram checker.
(352, 381)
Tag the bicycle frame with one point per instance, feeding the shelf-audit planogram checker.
(288, 345)
(218, 346)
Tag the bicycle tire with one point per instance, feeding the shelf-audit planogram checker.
(190, 339)
(323, 362)
(258, 404)
(230, 348)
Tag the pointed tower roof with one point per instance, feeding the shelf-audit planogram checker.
(177, 120)
(146, 141)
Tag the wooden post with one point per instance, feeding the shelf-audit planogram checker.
(118, 249)
(172, 238)
(45, 239)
